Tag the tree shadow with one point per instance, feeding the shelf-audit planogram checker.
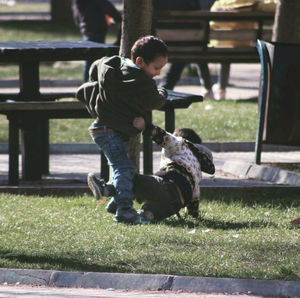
(61, 263)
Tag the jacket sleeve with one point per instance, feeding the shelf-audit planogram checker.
(154, 98)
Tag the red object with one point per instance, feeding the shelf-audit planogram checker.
(108, 19)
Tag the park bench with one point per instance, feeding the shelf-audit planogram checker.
(188, 33)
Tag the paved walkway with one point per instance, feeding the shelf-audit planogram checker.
(34, 291)
(71, 169)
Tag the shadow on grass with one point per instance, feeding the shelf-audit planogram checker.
(249, 100)
(268, 197)
(216, 224)
(53, 262)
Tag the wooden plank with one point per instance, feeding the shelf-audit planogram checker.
(215, 16)
(168, 35)
(41, 105)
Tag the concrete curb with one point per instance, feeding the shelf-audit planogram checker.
(252, 171)
(91, 148)
(133, 281)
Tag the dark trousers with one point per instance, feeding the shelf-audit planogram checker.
(96, 37)
(224, 75)
(174, 72)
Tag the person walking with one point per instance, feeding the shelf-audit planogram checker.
(175, 69)
(93, 18)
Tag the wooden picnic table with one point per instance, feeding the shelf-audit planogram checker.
(28, 55)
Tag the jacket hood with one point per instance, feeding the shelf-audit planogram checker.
(113, 72)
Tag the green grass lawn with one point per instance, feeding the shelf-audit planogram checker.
(26, 7)
(238, 236)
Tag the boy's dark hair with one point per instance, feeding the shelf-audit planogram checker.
(149, 48)
(188, 134)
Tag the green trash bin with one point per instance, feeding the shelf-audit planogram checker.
(279, 95)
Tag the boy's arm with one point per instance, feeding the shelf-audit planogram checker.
(153, 97)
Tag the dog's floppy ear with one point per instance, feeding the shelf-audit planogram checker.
(204, 157)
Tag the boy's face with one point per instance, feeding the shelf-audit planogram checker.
(153, 68)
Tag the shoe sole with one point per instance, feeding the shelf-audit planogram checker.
(94, 187)
(138, 221)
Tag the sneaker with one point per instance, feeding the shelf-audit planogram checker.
(96, 185)
(146, 214)
(112, 206)
(130, 216)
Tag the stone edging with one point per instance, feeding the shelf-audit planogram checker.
(150, 282)
(252, 171)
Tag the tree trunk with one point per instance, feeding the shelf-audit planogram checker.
(287, 22)
(137, 22)
(61, 11)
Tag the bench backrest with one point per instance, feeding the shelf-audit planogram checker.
(183, 32)
(194, 35)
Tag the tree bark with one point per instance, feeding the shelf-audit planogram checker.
(287, 22)
(137, 22)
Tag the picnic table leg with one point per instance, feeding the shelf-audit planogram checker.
(170, 120)
(35, 134)
(45, 146)
(31, 148)
(147, 148)
(13, 149)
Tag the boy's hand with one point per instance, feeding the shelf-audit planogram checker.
(139, 123)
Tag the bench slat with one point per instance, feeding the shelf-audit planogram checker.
(41, 105)
(168, 35)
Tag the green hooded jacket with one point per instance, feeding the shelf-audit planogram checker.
(119, 92)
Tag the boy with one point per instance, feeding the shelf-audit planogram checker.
(122, 90)
(176, 185)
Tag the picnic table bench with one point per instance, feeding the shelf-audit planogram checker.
(188, 34)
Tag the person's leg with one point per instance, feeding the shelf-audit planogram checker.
(203, 71)
(172, 75)
(114, 149)
(224, 72)
(97, 37)
(224, 75)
